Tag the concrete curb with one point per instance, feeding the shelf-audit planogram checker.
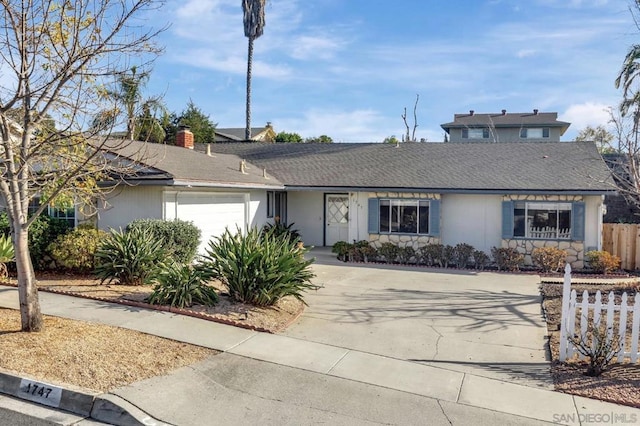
(106, 408)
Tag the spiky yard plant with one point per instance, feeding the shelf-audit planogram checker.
(183, 286)
(7, 254)
(259, 268)
(130, 258)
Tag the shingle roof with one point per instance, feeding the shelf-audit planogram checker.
(237, 133)
(546, 119)
(187, 166)
(556, 166)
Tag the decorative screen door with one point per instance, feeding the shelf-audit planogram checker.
(336, 218)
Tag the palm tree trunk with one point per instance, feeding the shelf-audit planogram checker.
(247, 133)
(30, 314)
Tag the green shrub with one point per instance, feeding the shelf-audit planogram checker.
(548, 259)
(508, 259)
(7, 254)
(341, 248)
(183, 286)
(280, 229)
(431, 254)
(388, 252)
(76, 249)
(42, 232)
(462, 254)
(602, 261)
(361, 251)
(180, 239)
(406, 254)
(447, 255)
(130, 258)
(480, 260)
(258, 268)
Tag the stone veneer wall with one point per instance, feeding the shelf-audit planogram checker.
(574, 249)
(415, 241)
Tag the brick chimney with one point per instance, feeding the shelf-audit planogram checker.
(184, 137)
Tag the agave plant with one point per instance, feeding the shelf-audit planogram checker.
(7, 254)
(259, 268)
(131, 258)
(183, 286)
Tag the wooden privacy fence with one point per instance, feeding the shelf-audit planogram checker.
(612, 317)
(623, 240)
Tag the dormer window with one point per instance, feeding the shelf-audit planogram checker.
(475, 133)
(534, 133)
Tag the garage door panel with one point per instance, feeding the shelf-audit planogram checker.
(212, 214)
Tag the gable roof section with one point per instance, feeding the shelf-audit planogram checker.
(563, 167)
(175, 165)
(517, 120)
(231, 134)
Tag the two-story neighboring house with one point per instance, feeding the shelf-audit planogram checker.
(506, 127)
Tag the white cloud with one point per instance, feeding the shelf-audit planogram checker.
(315, 47)
(586, 114)
(361, 125)
(524, 53)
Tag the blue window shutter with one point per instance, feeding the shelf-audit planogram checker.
(374, 216)
(507, 219)
(434, 218)
(577, 221)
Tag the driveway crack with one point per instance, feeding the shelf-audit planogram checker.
(444, 412)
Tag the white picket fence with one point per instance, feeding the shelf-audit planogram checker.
(628, 351)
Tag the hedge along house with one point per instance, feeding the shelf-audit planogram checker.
(215, 192)
(522, 195)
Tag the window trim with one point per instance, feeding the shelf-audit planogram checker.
(277, 205)
(546, 204)
(466, 134)
(417, 202)
(545, 132)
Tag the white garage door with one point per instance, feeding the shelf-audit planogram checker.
(212, 213)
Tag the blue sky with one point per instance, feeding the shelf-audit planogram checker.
(347, 68)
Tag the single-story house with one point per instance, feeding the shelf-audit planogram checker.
(521, 195)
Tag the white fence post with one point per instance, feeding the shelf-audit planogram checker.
(564, 319)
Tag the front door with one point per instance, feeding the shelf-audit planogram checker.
(336, 218)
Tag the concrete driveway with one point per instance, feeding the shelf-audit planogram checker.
(487, 324)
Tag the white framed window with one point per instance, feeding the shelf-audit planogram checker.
(400, 216)
(534, 133)
(277, 205)
(475, 133)
(68, 215)
(540, 220)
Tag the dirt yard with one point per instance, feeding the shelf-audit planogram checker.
(618, 384)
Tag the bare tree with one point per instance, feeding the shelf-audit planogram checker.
(625, 163)
(254, 21)
(56, 57)
(411, 137)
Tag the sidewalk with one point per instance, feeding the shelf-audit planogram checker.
(457, 389)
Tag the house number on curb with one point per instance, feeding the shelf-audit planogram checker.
(41, 393)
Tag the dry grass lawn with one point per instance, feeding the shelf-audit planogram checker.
(100, 357)
(91, 356)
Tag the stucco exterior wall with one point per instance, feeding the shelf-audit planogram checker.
(305, 209)
(472, 219)
(508, 134)
(127, 203)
